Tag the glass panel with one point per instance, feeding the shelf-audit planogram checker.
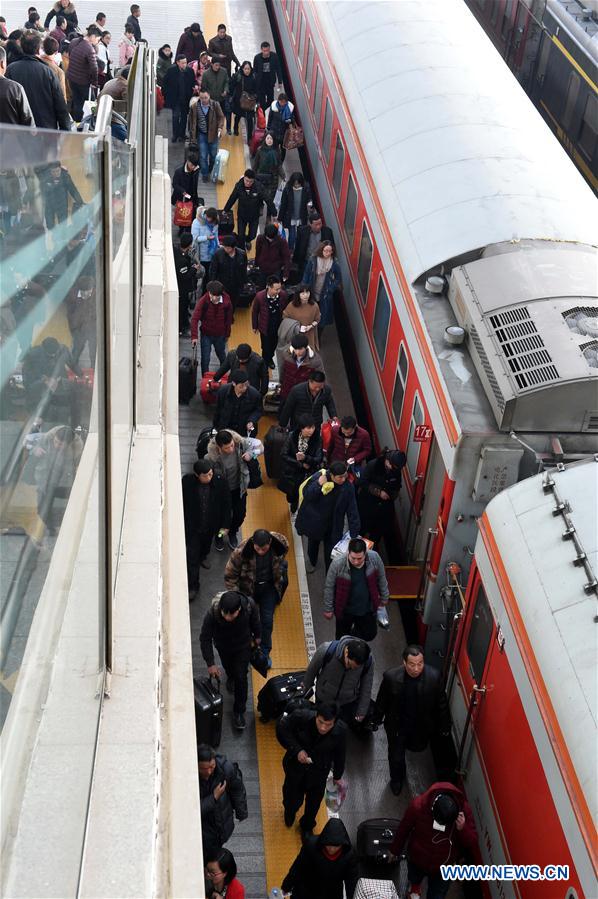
(544, 54)
(589, 127)
(310, 65)
(350, 211)
(51, 541)
(318, 99)
(572, 95)
(301, 40)
(381, 321)
(413, 448)
(339, 161)
(327, 130)
(398, 394)
(478, 641)
(364, 265)
(403, 364)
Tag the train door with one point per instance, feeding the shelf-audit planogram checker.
(432, 494)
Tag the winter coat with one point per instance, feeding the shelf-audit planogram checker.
(223, 46)
(69, 14)
(83, 63)
(162, 66)
(205, 236)
(14, 105)
(216, 318)
(285, 211)
(303, 315)
(256, 369)
(231, 271)
(332, 283)
(243, 445)
(216, 120)
(240, 83)
(42, 87)
(250, 201)
(313, 875)
(374, 478)
(301, 401)
(49, 61)
(278, 122)
(117, 88)
(219, 506)
(185, 273)
(56, 197)
(428, 848)
(126, 50)
(267, 164)
(302, 243)
(186, 182)
(239, 573)
(133, 21)
(191, 46)
(291, 374)
(216, 84)
(338, 583)
(293, 471)
(59, 35)
(273, 257)
(217, 815)
(260, 314)
(37, 365)
(312, 520)
(298, 731)
(359, 448)
(338, 684)
(265, 79)
(178, 87)
(232, 638)
(432, 708)
(233, 413)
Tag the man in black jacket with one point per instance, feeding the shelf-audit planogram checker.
(250, 199)
(244, 359)
(314, 742)
(222, 794)
(231, 624)
(186, 276)
(133, 21)
(57, 186)
(412, 704)
(309, 237)
(46, 380)
(229, 265)
(308, 398)
(185, 182)
(14, 105)
(206, 509)
(178, 86)
(238, 406)
(40, 84)
(267, 72)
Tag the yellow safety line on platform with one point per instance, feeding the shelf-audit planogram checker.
(267, 508)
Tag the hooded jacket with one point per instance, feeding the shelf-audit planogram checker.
(69, 14)
(335, 682)
(432, 707)
(293, 472)
(291, 374)
(217, 815)
(313, 875)
(428, 848)
(338, 583)
(234, 412)
(162, 66)
(301, 401)
(256, 369)
(42, 87)
(231, 638)
(239, 573)
(191, 46)
(321, 514)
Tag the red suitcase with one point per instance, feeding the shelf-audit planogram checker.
(256, 139)
(208, 387)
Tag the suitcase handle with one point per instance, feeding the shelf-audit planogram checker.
(215, 682)
(194, 353)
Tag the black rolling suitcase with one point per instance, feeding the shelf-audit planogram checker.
(187, 378)
(273, 444)
(208, 710)
(246, 295)
(201, 447)
(226, 223)
(374, 839)
(273, 698)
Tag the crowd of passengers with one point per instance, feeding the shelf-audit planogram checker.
(328, 470)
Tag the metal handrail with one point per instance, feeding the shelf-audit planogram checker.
(104, 114)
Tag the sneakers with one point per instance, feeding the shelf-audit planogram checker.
(239, 722)
(219, 543)
(289, 818)
(309, 566)
(233, 541)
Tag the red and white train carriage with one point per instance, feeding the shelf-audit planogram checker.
(435, 171)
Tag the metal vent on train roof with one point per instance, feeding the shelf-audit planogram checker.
(525, 352)
(582, 320)
(590, 352)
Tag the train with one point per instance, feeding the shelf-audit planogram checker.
(467, 241)
(551, 46)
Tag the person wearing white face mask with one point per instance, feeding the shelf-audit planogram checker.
(81, 315)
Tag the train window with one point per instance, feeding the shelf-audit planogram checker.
(589, 127)
(381, 321)
(339, 161)
(327, 130)
(572, 95)
(301, 40)
(350, 211)
(295, 17)
(309, 66)
(413, 446)
(364, 263)
(543, 61)
(480, 632)
(317, 107)
(398, 394)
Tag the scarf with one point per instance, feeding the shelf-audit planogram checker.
(285, 112)
(323, 265)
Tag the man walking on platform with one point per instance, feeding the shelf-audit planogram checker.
(344, 673)
(214, 311)
(229, 451)
(206, 121)
(179, 83)
(245, 359)
(356, 587)
(238, 406)
(324, 501)
(206, 510)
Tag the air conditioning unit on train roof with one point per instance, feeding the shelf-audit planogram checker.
(531, 315)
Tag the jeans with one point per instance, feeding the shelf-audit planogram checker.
(207, 152)
(239, 510)
(363, 626)
(179, 122)
(237, 670)
(313, 547)
(437, 886)
(266, 596)
(292, 236)
(206, 342)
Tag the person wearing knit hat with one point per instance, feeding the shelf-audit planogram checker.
(238, 406)
(298, 362)
(207, 512)
(379, 488)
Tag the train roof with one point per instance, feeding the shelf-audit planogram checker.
(460, 157)
(549, 590)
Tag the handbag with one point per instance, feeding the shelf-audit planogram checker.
(260, 118)
(259, 660)
(255, 474)
(247, 102)
(293, 137)
(183, 213)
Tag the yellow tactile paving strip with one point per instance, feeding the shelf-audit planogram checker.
(267, 507)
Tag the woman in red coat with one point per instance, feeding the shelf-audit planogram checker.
(221, 873)
(438, 828)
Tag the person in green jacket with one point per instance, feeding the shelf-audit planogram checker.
(165, 61)
(215, 82)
